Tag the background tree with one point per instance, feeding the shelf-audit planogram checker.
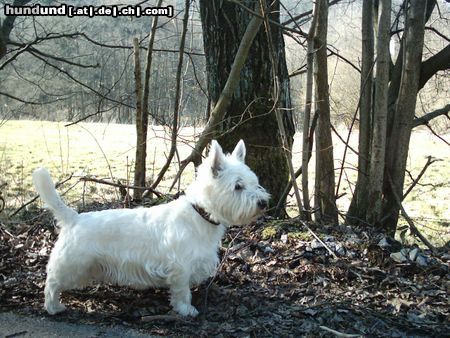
(378, 144)
(324, 196)
(250, 115)
(403, 115)
(396, 87)
(82, 71)
(359, 202)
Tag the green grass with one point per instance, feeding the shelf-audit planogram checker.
(275, 228)
(108, 150)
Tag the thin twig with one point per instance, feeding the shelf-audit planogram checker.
(413, 184)
(176, 109)
(222, 263)
(276, 98)
(321, 242)
(430, 161)
(119, 185)
(339, 334)
(163, 318)
(299, 170)
(408, 219)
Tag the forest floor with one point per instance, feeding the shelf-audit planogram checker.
(275, 279)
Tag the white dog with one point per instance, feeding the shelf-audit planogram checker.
(172, 245)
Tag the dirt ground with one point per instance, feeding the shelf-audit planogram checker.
(283, 284)
(32, 326)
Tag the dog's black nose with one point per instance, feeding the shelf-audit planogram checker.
(262, 204)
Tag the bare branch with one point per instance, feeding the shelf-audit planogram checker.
(437, 135)
(86, 37)
(434, 30)
(119, 185)
(176, 106)
(439, 61)
(419, 121)
(305, 14)
(430, 161)
(26, 101)
(408, 219)
(7, 26)
(347, 61)
(103, 96)
(299, 171)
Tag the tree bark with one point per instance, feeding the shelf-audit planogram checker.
(307, 114)
(278, 112)
(249, 115)
(437, 62)
(324, 196)
(141, 135)
(141, 129)
(425, 119)
(176, 105)
(397, 69)
(7, 26)
(358, 207)
(404, 113)
(224, 100)
(378, 147)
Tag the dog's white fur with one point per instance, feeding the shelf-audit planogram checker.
(169, 245)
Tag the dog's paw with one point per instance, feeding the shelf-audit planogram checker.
(54, 308)
(186, 310)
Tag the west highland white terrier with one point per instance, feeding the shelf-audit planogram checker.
(173, 245)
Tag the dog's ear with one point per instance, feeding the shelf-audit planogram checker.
(240, 151)
(216, 157)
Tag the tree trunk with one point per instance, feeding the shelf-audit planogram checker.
(325, 200)
(141, 132)
(7, 26)
(396, 73)
(404, 112)
(141, 129)
(224, 24)
(177, 102)
(378, 147)
(307, 115)
(406, 77)
(358, 206)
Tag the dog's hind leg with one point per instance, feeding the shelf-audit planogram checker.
(63, 274)
(52, 291)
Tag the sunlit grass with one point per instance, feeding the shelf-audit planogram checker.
(107, 151)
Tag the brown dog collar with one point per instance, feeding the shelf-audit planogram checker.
(206, 216)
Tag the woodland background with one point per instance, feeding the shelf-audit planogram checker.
(351, 97)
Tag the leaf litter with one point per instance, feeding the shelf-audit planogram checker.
(283, 286)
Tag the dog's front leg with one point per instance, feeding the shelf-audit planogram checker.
(180, 296)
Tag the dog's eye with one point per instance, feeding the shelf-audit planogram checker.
(238, 187)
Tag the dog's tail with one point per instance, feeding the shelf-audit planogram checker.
(46, 189)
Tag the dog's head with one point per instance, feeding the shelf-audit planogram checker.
(228, 189)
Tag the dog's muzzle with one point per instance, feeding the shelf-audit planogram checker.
(262, 204)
